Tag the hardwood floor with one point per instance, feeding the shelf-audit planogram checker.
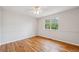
(38, 44)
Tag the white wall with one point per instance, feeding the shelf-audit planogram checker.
(17, 26)
(68, 26)
(0, 25)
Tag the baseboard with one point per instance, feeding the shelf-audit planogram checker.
(55, 40)
(59, 40)
(3, 43)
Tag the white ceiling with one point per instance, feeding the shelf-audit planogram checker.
(45, 10)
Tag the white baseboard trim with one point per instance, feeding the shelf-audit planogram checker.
(61, 40)
(2, 43)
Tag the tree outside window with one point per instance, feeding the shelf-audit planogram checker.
(51, 24)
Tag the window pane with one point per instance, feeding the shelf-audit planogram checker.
(54, 24)
(47, 24)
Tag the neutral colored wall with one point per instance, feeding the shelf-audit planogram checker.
(0, 25)
(68, 26)
(17, 26)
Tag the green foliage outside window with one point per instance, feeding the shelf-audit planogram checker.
(51, 24)
(47, 24)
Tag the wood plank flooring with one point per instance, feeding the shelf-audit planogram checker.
(38, 44)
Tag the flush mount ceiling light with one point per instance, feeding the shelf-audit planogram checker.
(36, 10)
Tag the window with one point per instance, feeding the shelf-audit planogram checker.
(47, 24)
(51, 24)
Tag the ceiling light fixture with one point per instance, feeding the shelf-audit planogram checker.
(36, 10)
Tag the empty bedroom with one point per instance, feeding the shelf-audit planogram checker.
(39, 28)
